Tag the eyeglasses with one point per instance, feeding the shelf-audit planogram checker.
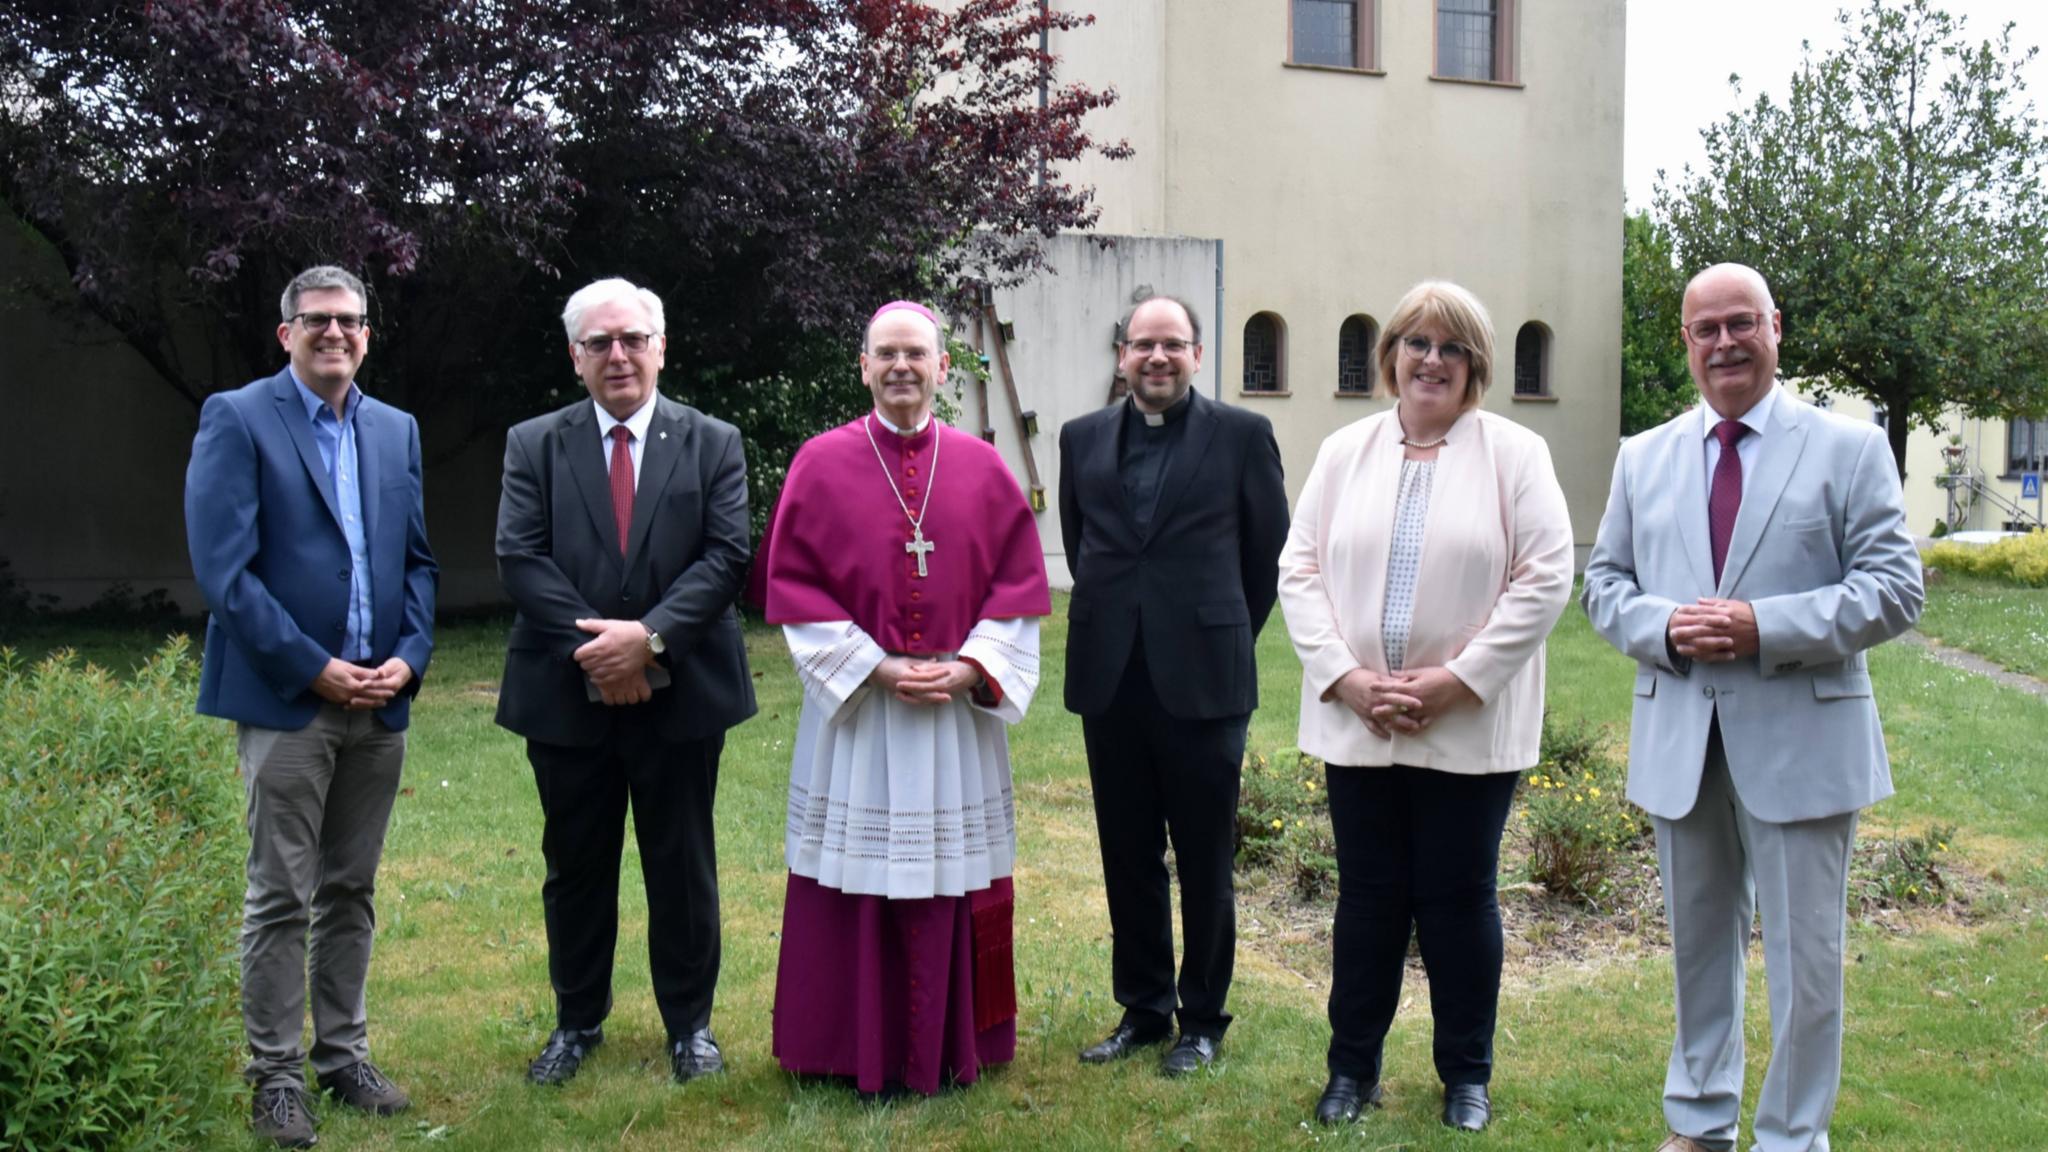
(1450, 351)
(1169, 347)
(318, 321)
(601, 345)
(1739, 328)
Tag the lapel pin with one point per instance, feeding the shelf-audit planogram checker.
(664, 435)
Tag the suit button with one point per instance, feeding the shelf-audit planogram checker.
(917, 636)
(916, 595)
(1708, 691)
(343, 574)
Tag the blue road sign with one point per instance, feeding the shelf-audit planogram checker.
(2030, 485)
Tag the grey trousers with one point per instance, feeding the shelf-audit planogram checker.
(1720, 865)
(319, 800)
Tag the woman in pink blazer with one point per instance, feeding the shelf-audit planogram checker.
(1431, 552)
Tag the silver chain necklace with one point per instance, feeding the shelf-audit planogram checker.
(918, 545)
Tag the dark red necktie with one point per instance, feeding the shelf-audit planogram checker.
(622, 484)
(1726, 498)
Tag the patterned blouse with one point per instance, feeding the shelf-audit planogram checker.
(1404, 559)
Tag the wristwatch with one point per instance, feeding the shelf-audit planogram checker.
(655, 644)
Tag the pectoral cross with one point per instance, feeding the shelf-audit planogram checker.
(918, 546)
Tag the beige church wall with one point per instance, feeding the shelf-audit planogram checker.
(1333, 192)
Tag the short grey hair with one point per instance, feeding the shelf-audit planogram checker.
(609, 291)
(1194, 317)
(313, 280)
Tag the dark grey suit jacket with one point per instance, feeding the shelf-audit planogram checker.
(559, 558)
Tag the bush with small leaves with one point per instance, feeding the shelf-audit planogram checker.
(120, 892)
(1580, 826)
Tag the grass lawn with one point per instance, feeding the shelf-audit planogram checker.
(1947, 1017)
(2003, 623)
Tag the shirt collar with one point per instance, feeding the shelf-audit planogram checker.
(314, 403)
(636, 423)
(1175, 411)
(921, 424)
(1756, 419)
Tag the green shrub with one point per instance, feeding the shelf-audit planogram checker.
(2021, 560)
(119, 899)
(1901, 870)
(1283, 822)
(1580, 826)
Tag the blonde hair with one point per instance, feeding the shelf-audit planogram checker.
(1442, 305)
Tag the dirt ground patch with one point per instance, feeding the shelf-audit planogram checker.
(1543, 932)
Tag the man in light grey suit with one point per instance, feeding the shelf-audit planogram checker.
(1752, 550)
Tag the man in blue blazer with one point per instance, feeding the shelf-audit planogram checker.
(1753, 549)
(309, 543)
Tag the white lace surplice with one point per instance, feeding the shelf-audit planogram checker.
(903, 800)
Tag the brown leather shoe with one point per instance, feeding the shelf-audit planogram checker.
(1677, 1143)
(362, 1087)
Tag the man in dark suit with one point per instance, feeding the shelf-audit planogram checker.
(622, 541)
(309, 544)
(1173, 513)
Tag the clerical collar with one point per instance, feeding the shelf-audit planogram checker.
(1175, 411)
(921, 424)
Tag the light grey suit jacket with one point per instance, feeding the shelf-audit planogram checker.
(1820, 552)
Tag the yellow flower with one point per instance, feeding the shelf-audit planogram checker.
(1279, 823)
(1940, 847)
(1913, 890)
(1593, 792)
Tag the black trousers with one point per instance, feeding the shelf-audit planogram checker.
(584, 793)
(1417, 847)
(1156, 776)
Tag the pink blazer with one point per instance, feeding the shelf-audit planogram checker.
(1496, 572)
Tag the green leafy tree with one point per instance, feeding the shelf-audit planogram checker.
(1655, 382)
(1895, 201)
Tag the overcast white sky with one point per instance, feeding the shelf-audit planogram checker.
(1680, 55)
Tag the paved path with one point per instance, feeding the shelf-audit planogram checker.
(1971, 662)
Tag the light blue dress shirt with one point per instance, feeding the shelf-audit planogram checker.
(337, 441)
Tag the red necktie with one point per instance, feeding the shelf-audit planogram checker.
(1726, 499)
(622, 484)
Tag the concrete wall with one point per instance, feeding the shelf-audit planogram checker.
(94, 447)
(1064, 355)
(1333, 192)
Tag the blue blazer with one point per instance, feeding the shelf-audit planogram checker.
(264, 529)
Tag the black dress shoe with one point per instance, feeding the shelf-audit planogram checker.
(695, 1055)
(1187, 1054)
(563, 1054)
(1344, 1097)
(1467, 1107)
(1126, 1039)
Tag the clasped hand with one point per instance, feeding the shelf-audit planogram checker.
(616, 660)
(916, 681)
(1406, 702)
(360, 689)
(1714, 631)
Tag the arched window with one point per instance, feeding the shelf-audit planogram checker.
(1532, 360)
(1355, 342)
(1265, 359)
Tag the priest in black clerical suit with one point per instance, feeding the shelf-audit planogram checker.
(1173, 513)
